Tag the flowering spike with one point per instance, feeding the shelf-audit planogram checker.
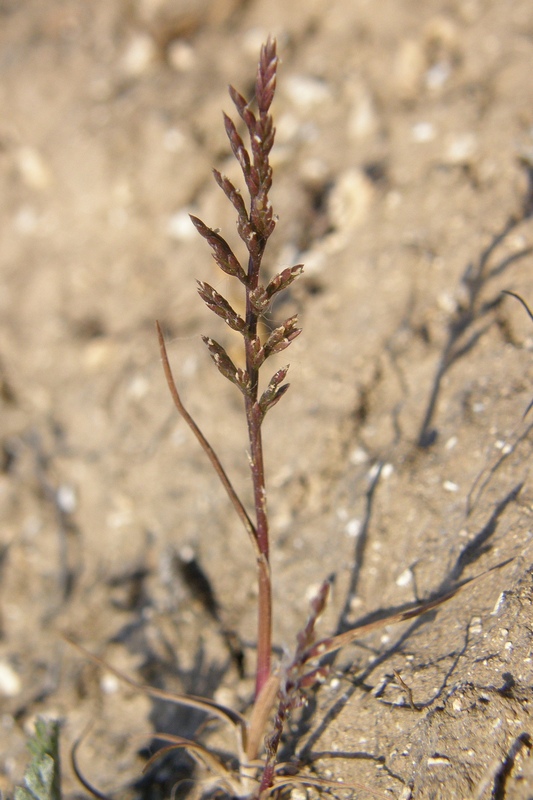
(245, 112)
(281, 337)
(255, 224)
(232, 193)
(220, 306)
(261, 296)
(257, 352)
(226, 366)
(283, 279)
(274, 391)
(265, 85)
(222, 252)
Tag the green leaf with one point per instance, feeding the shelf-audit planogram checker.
(42, 778)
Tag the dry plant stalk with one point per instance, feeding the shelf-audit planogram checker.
(281, 688)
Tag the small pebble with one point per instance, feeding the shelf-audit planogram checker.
(499, 603)
(180, 227)
(387, 470)
(437, 75)
(173, 140)
(350, 200)
(140, 55)
(439, 760)
(409, 68)
(306, 92)
(181, 56)
(358, 456)
(450, 486)
(34, 171)
(66, 498)
(362, 116)
(405, 578)
(423, 132)
(109, 683)
(10, 683)
(26, 220)
(353, 528)
(475, 626)
(139, 387)
(461, 149)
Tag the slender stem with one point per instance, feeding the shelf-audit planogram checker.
(264, 628)
(254, 419)
(264, 612)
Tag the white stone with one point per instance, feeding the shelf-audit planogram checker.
(34, 170)
(353, 528)
(10, 683)
(139, 56)
(405, 578)
(450, 486)
(423, 132)
(461, 149)
(306, 92)
(350, 200)
(180, 227)
(181, 56)
(66, 498)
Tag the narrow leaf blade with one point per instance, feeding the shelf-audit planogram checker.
(333, 643)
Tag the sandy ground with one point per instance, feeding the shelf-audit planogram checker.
(403, 180)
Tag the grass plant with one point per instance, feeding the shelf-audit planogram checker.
(280, 687)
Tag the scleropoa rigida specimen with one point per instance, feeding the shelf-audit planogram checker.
(255, 773)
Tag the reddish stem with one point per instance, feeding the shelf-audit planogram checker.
(254, 419)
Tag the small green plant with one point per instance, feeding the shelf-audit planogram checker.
(256, 773)
(42, 778)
